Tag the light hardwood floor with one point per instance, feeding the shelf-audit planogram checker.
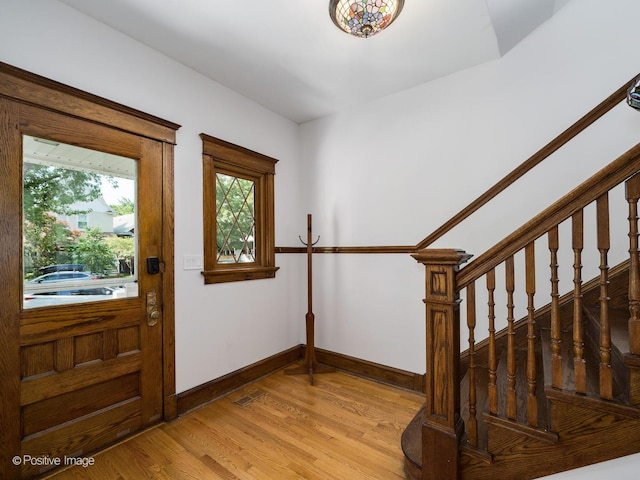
(342, 428)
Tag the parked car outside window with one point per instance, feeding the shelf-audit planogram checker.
(63, 276)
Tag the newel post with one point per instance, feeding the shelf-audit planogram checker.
(443, 428)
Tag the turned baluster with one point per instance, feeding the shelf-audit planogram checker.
(633, 194)
(511, 335)
(493, 361)
(530, 279)
(632, 188)
(606, 377)
(579, 364)
(556, 327)
(472, 427)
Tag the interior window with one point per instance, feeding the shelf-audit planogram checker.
(78, 224)
(238, 213)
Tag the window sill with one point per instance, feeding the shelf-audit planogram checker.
(238, 274)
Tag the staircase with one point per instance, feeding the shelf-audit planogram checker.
(557, 389)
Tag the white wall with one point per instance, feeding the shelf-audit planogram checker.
(219, 328)
(392, 171)
(386, 174)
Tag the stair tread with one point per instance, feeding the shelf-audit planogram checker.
(618, 324)
(482, 396)
(592, 363)
(568, 378)
(482, 379)
(521, 388)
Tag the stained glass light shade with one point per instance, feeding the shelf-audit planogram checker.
(364, 18)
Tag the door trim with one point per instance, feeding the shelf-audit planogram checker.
(18, 85)
(27, 87)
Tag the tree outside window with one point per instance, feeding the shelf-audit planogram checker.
(47, 190)
(50, 191)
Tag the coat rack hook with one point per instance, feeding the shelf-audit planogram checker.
(306, 244)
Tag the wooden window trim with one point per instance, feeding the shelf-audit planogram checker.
(219, 156)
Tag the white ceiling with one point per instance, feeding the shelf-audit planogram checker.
(288, 56)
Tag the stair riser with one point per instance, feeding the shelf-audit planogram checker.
(588, 436)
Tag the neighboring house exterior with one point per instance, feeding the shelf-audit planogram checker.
(124, 225)
(97, 213)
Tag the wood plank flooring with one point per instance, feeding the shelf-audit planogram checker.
(280, 427)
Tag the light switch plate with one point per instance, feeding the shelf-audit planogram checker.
(192, 262)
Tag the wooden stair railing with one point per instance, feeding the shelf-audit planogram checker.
(443, 429)
(574, 130)
(588, 119)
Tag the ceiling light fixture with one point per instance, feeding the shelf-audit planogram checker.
(364, 18)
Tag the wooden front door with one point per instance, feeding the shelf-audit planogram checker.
(82, 362)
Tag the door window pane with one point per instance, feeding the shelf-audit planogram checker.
(79, 221)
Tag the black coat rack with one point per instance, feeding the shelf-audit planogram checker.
(310, 364)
